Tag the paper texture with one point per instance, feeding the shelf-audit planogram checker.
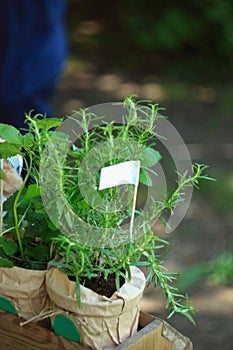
(25, 289)
(120, 174)
(103, 323)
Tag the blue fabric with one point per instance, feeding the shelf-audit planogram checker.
(32, 53)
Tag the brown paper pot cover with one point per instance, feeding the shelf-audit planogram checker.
(103, 323)
(25, 289)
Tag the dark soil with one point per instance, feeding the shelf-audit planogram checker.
(102, 286)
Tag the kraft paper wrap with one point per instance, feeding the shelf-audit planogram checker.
(103, 323)
(25, 289)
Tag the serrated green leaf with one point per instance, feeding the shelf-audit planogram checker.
(144, 178)
(10, 247)
(149, 157)
(33, 191)
(28, 140)
(8, 149)
(10, 134)
(48, 123)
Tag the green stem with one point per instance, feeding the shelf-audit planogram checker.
(37, 133)
(51, 250)
(16, 218)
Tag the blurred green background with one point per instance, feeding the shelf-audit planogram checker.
(178, 54)
(175, 38)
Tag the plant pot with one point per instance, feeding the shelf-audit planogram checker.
(24, 289)
(102, 323)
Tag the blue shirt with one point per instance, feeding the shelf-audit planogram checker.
(32, 53)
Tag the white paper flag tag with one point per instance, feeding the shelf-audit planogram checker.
(120, 174)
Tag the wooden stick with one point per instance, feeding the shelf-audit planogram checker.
(134, 204)
(133, 213)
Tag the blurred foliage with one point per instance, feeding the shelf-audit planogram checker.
(179, 25)
(196, 36)
(218, 271)
(220, 195)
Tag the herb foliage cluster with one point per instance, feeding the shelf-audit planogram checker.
(35, 239)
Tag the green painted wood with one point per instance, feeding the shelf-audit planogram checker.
(6, 305)
(63, 326)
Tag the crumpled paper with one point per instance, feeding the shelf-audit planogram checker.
(25, 289)
(103, 323)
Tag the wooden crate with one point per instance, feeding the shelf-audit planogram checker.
(30, 336)
(155, 334)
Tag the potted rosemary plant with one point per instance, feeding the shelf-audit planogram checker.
(107, 236)
(26, 244)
